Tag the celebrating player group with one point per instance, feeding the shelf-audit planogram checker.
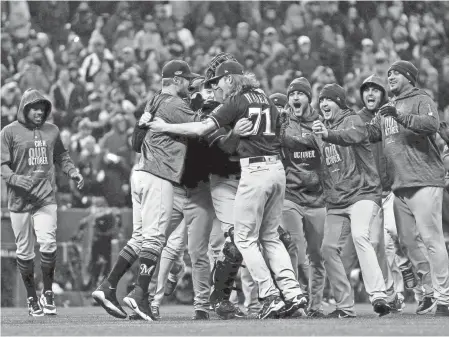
(262, 186)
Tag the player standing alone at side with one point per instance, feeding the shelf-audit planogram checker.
(30, 147)
(260, 194)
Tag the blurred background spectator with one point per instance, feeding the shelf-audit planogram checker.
(99, 60)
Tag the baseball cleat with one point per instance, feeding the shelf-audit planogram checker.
(315, 314)
(339, 314)
(138, 302)
(397, 305)
(381, 307)
(293, 305)
(47, 302)
(106, 297)
(426, 305)
(200, 315)
(135, 317)
(225, 309)
(239, 313)
(33, 307)
(272, 305)
(442, 311)
(155, 312)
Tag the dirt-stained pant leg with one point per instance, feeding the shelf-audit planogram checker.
(419, 210)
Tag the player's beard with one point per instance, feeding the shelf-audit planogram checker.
(183, 93)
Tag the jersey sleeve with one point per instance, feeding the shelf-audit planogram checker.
(225, 114)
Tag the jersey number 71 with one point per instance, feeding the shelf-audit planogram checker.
(257, 111)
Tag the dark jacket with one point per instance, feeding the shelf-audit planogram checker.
(385, 178)
(162, 154)
(302, 162)
(350, 173)
(32, 152)
(219, 160)
(409, 146)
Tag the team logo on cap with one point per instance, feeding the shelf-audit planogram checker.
(179, 72)
(226, 71)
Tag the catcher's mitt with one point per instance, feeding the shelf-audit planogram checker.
(215, 62)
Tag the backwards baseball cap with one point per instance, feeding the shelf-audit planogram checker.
(227, 68)
(279, 99)
(335, 93)
(302, 85)
(407, 69)
(177, 68)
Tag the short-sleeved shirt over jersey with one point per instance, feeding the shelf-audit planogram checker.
(164, 154)
(261, 111)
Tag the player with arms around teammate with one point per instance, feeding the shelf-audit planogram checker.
(30, 147)
(260, 194)
(304, 212)
(353, 198)
(407, 127)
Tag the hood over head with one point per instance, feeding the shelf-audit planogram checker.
(31, 96)
(378, 82)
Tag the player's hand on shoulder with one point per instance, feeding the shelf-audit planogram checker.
(319, 128)
(78, 178)
(24, 182)
(157, 125)
(243, 127)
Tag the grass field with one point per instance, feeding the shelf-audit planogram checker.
(176, 320)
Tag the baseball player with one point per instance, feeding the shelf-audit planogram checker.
(257, 207)
(224, 179)
(158, 177)
(30, 147)
(353, 198)
(303, 211)
(407, 127)
(374, 95)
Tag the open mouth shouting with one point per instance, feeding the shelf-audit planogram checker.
(371, 102)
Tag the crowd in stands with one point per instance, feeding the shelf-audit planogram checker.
(99, 61)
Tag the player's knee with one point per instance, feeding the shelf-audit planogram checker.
(25, 255)
(154, 246)
(329, 251)
(135, 245)
(48, 247)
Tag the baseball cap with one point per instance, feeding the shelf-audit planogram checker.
(177, 68)
(227, 68)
